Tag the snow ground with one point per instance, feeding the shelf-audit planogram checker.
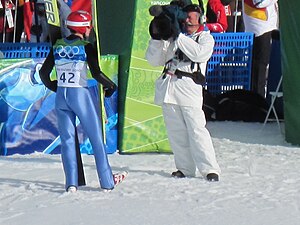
(260, 185)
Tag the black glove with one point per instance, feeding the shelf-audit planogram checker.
(36, 30)
(108, 91)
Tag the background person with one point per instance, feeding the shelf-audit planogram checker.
(216, 16)
(11, 20)
(181, 98)
(39, 27)
(261, 18)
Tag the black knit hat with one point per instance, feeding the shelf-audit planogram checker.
(193, 8)
(181, 3)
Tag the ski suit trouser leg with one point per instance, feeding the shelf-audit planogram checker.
(190, 140)
(80, 102)
(66, 128)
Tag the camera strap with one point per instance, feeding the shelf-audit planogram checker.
(197, 76)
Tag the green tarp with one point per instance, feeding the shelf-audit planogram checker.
(290, 36)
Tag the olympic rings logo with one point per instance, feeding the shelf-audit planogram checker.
(67, 51)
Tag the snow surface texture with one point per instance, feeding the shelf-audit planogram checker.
(260, 185)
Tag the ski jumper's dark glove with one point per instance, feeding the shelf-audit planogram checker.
(108, 91)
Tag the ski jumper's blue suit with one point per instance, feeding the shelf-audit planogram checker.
(70, 56)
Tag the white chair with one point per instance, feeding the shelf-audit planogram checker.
(274, 95)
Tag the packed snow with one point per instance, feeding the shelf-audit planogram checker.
(260, 185)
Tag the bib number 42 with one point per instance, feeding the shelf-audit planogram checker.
(67, 78)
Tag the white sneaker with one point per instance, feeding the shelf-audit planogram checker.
(72, 189)
(107, 190)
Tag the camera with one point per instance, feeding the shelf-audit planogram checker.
(167, 21)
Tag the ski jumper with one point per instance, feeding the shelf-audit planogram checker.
(181, 100)
(71, 57)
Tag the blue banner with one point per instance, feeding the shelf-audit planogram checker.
(27, 114)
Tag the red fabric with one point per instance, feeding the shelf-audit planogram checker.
(215, 27)
(27, 18)
(220, 25)
(201, 28)
(85, 5)
(7, 29)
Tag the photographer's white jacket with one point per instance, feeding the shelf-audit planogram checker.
(184, 91)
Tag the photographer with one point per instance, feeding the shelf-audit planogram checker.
(184, 56)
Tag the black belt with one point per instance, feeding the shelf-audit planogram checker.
(197, 77)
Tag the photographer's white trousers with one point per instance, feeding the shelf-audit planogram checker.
(190, 140)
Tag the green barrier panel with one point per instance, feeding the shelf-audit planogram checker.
(116, 22)
(144, 128)
(290, 31)
(109, 65)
